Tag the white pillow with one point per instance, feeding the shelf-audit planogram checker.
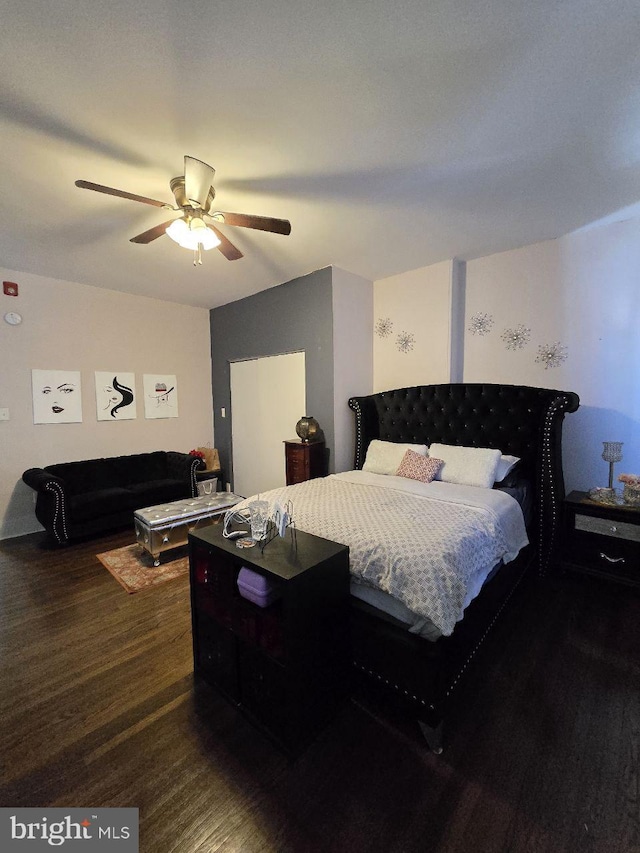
(505, 465)
(467, 466)
(384, 457)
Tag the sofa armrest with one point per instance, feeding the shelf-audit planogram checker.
(38, 478)
(51, 505)
(183, 466)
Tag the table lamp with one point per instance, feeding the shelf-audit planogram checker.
(612, 453)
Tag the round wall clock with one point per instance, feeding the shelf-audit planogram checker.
(13, 318)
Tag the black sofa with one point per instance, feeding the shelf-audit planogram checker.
(82, 498)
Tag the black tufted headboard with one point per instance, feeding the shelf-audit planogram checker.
(517, 419)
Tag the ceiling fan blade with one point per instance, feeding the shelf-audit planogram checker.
(152, 233)
(227, 248)
(198, 177)
(87, 185)
(261, 223)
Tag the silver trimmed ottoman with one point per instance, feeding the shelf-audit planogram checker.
(165, 526)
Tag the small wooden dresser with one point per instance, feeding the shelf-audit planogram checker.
(304, 460)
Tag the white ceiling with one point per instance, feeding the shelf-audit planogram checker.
(391, 134)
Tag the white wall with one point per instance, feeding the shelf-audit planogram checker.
(352, 357)
(418, 303)
(582, 290)
(71, 326)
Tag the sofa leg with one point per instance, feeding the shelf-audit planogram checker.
(433, 736)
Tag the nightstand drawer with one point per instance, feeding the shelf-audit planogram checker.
(606, 527)
(601, 540)
(617, 559)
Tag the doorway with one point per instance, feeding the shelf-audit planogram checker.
(268, 398)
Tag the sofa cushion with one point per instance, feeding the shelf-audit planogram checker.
(82, 477)
(157, 492)
(140, 467)
(102, 502)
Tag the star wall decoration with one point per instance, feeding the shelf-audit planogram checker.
(480, 324)
(405, 342)
(384, 327)
(516, 338)
(551, 355)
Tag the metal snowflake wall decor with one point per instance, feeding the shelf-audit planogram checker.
(551, 355)
(384, 327)
(480, 324)
(405, 342)
(516, 338)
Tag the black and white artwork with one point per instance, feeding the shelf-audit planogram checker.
(160, 395)
(57, 396)
(115, 395)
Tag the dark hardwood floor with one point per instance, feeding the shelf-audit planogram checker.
(99, 709)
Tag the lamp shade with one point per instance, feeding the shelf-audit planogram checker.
(191, 234)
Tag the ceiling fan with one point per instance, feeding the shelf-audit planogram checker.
(194, 194)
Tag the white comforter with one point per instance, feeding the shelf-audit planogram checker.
(422, 543)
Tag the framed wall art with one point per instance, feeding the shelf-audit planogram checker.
(115, 395)
(160, 395)
(57, 397)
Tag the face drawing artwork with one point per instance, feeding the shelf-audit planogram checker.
(115, 396)
(56, 396)
(160, 396)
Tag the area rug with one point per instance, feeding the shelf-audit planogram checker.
(133, 568)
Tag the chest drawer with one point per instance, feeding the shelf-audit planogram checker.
(304, 461)
(606, 527)
(617, 559)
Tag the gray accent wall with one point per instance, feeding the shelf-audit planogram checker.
(293, 317)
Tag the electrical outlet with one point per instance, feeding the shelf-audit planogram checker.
(223, 412)
(4, 414)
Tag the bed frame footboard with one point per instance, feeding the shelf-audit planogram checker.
(519, 420)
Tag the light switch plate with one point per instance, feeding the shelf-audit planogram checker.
(4, 414)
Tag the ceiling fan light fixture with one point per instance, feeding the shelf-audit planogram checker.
(192, 234)
(202, 234)
(177, 231)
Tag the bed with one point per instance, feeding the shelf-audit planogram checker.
(408, 640)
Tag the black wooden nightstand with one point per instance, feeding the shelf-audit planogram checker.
(601, 539)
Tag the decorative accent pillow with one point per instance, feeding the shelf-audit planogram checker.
(467, 466)
(505, 466)
(415, 466)
(383, 457)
